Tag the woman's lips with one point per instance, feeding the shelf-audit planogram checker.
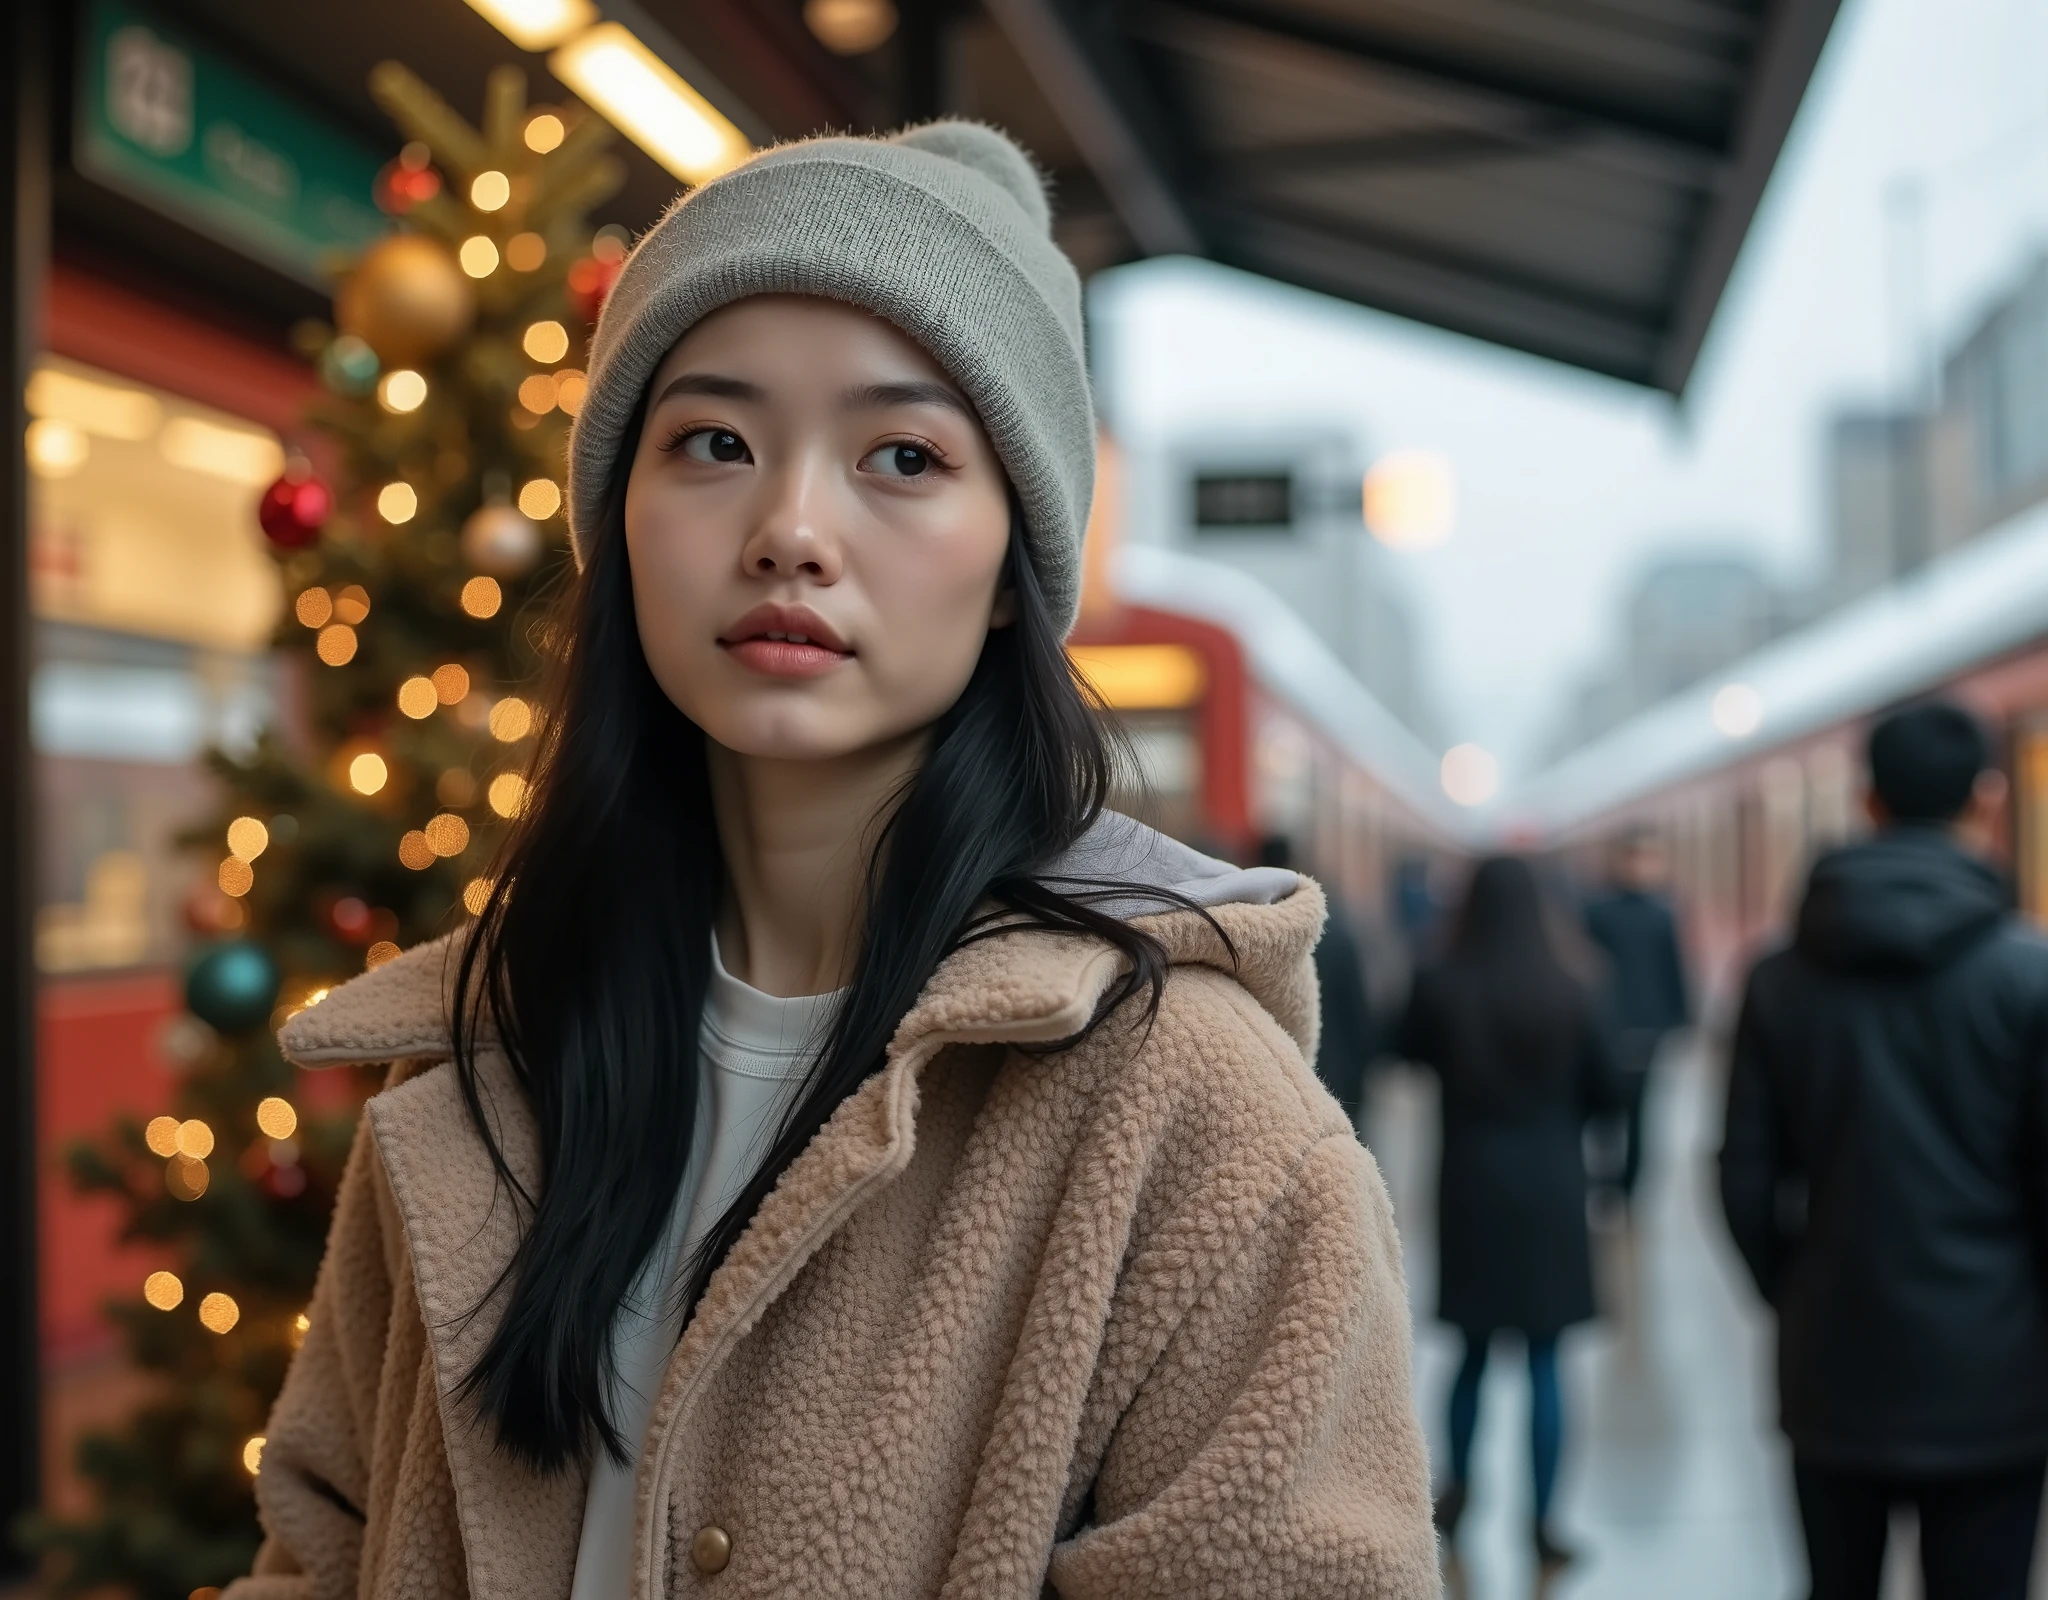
(784, 658)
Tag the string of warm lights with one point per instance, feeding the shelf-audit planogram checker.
(454, 364)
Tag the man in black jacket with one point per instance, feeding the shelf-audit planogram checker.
(1883, 1174)
(1634, 927)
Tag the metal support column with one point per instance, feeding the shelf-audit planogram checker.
(24, 253)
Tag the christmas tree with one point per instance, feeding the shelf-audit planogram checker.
(366, 822)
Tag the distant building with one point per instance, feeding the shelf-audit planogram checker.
(1904, 487)
(1286, 508)
(1878, 507)
(1988, 448)
(1685, 618)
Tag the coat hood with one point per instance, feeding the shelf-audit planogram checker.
(1907, 901)
(1021, 987)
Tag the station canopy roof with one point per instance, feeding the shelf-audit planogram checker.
(1568, 177)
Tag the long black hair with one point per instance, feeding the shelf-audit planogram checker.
(1515, 1020)
(591, 959)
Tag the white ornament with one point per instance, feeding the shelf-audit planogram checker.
(501, 541)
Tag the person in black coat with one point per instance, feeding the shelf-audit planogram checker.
(1350, 1036)
(1633, 925)
(1525, 1058)
(1884, 1175)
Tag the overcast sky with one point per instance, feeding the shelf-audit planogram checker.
(1567, 482)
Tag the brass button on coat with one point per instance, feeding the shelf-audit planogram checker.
(711, 1549)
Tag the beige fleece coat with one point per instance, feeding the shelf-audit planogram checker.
(1122, 1320)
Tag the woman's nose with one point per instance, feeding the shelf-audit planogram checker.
(795, 534)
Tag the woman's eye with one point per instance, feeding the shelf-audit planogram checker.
(714, 445)
(900, 461)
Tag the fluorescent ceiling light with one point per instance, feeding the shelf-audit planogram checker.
(240, 455)
(102, 408)
(644, 98)
(536, 24)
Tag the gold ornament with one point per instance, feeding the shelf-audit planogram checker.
(406, 299)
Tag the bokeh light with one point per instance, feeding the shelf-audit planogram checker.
(416, 698)
(540, 498)
(1470, 775)
(511, 719)
(447, 834)
(481, 597)
(397, 502)
(401, 390)
(546, 341)
(275, 1116)
(336, 645)
(1410, 499)
(1738, 710)
(507, 794)
(489, 190)
(313, 607)
(544, 132)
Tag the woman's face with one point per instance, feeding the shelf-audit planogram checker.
(816, 525)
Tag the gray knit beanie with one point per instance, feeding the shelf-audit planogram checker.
(944, 230)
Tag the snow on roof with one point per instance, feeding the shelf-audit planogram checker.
(1981, 601)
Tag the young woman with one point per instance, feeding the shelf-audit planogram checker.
(842, 1158)
(1525, 1060)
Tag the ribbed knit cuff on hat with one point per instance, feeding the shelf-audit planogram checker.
(942, 230)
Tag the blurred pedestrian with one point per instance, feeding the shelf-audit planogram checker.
(1416, 912)
(1633, 925)
(1525, 1058)
(1884, 1175)
(1349, 1038)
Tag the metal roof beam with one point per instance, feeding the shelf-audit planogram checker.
(1416, 278)
(1111, 113)
(1495, 98)
(1777, 84)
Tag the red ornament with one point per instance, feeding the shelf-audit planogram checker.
(350, 918)
(590, 280)
(293, 510)
(400, 187)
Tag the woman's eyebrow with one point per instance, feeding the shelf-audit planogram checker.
(877, 396)
(711, 383)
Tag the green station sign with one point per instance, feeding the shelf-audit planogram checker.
(171, 123)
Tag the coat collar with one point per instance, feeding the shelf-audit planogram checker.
(520, 1529)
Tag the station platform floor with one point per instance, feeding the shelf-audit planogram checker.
(1676, 1484)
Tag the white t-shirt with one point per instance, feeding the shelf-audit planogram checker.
(753, 1052)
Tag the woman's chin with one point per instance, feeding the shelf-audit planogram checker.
(792, 733)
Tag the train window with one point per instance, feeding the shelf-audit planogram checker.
(1244, 502)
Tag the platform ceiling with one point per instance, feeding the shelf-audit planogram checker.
(1572, 178)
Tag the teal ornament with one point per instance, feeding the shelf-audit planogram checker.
(232, 987)
(349, 366)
